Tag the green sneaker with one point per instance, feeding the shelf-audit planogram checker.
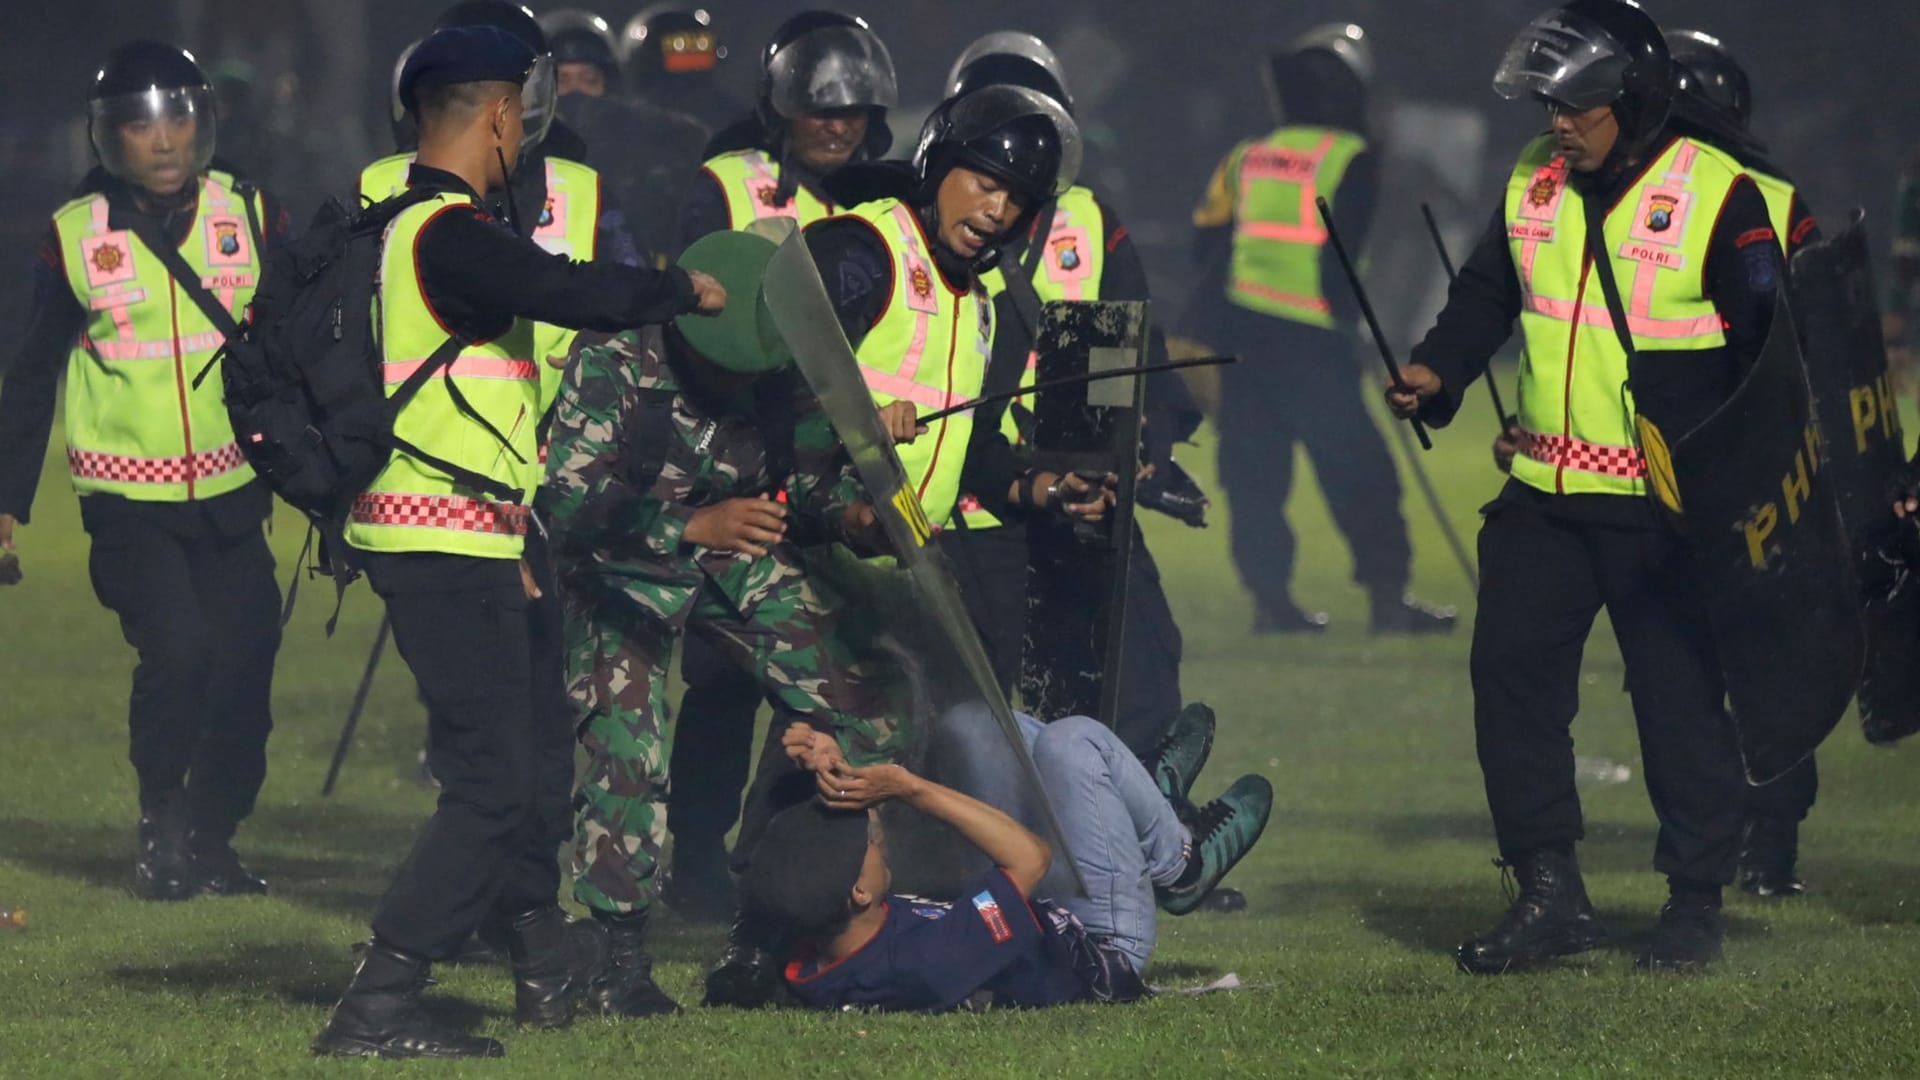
(1224, 830)
(1182, 753)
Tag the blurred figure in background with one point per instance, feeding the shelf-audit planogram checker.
(673, 54)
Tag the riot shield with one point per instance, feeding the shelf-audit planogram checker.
(1077, 573)
(1769, 552)
(1834, 301)
(964, 734)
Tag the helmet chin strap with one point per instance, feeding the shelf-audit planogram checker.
(926, 204)
(506, 183)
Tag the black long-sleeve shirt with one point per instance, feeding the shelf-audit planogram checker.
(31, 388)
(478, 277)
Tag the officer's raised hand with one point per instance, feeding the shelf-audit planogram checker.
(1417, 384)
(1507, 445)
(709, 295)
(748, 526)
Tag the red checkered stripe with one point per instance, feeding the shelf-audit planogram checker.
(121, 469)
(454, 512)
(1570, 453)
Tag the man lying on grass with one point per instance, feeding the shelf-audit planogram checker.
(821, 871)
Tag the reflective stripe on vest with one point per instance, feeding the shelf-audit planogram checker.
(749, 180)
(1072, 267)
(569, 224)
(136, 426)
(1779, 196)
(1277, 233)
(1575, 408)
(412, 506)
(919, 351)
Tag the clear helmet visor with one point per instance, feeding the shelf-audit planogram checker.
(159, 138)
(1567, 61)
(539, 101)
(834, 67)
(1011, 43)
(993, 107)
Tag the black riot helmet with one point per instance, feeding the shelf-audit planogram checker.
(406, 130)
(145, 82)
(539, 95)
(1323, 77)
(1010, 58)
(1591, 53)
(1024, 139)
(581, 37)
(822, 60)
(671, 39)
(1704, 66)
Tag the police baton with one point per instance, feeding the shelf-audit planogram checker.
(359, 706)
(1446, 262)
(1366, 309)
(1094, 376)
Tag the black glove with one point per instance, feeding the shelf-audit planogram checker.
(1174, 493)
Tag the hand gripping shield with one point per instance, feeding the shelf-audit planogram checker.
(964, 733)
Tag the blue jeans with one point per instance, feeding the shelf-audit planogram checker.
(1123, 834)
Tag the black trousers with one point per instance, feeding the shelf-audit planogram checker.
(489, 666)
(1298, 386)
(1789, 798)
(712, 746)
(200, 606)
(1543, 579)
(992, 567)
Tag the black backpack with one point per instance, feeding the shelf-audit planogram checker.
(304, 378)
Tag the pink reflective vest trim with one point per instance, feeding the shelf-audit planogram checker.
(465, 367)
(900, 383)
(455, 512)
(1291, 166)
(1565, 452)
(116, 468)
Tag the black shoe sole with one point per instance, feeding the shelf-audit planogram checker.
(1572, 944)
(346, 1046)
(165, 895)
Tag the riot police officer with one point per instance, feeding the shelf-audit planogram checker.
(645, 154)
(1272, 292)
(1574, 530)
(673, 56)
(826, 85)
(136, 285)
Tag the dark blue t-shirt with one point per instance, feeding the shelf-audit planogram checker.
(930, 956)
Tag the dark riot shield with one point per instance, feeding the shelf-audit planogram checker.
(1077, 574)
(1762, 522)
(1834, 303)
(961, 730)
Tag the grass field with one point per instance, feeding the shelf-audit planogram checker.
(1375, 865)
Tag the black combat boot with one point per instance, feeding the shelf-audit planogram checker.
(553, 960)
(1690, 931)
(624, 985)
(1769, 850)
(1551, 916)
(163, 864)
(748, 976)
(217, 869)
(380, 1015)
(1395, 611)
(1289, 618)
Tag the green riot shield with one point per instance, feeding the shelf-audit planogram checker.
(1762, 521)
(964, 733)
(1834, 302)
(1077, 573)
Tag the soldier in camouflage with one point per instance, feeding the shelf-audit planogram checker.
(682, 481)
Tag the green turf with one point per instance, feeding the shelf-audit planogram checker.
(1376, 863)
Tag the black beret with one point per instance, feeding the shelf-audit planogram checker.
(464, 54)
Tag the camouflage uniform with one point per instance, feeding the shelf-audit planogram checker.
(631, 586)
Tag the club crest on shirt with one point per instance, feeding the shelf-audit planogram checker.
(921, 282)
(108, 259)
(1541, 191)
(227, 241)
(996, 920)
